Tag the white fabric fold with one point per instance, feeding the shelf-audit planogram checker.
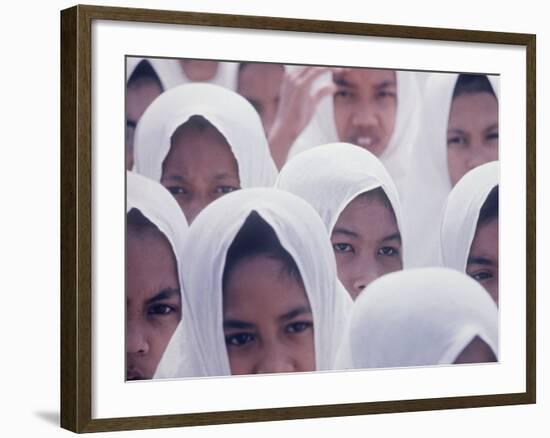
(418, 317)
(198, 345)
(231, 114)
(462, 213)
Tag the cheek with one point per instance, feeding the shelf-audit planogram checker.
(240, 362)
(342, 114)
(344, 268)
(304, 352)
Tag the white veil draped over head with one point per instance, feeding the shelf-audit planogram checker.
(418, 317)
(231, 114)
(156, 203)
(322, 128)
(198, 345)
(428, 182)
(462, 213)
(330, 176)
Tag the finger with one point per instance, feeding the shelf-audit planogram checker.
(327, 90)
(313, 73)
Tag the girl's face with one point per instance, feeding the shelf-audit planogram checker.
(267, 320)
(472, 133)
(260, 84)
(482, 264)
(365, 106)
(153, 301)
(366, 242)
(199, 168)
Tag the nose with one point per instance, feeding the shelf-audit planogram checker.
(364, 273)
(364, 116)
(192, 208)
(136, 341)
(478, 156)
(275, 359)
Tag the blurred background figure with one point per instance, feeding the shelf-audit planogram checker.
(143, 85)
(375, 109)
(459, 131)
(202, 70)
(156, 230)
(260, 84)
(359, 205)
(421, 317)
(262, 289)
(469, 231)
(202, 141)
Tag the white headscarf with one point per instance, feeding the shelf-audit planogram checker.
(428, 182)
(164, 70)
(462, 213)
(330, 176)
(322, 128)
(419, 317)
(198, 345)
(157, 205)
(231, 114)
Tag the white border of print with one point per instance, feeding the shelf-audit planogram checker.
(112, 397)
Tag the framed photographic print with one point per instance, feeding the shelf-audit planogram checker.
(211, 168)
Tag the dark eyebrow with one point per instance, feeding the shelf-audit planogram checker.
(164, 294)
(340, 79)
(394, 236)
(493, 126)
(237, 324)
(221, 176)
(294, 313)
(386, 84)
(345, 231)
(479, 261)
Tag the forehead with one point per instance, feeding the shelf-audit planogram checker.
(486, 239)
(474, 109)
(366, 76)
(199, 150)
(260, 287)
(150, 261)
(368, 215)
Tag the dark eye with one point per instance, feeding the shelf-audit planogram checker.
(492, 136)
(224, 190)
(382, 94)
(343, 93)
(388, 251)
(342, 247)
(239, 339)
(176, 190)
(481, 275)
(456, 141)
(160, 309)
(298, 327)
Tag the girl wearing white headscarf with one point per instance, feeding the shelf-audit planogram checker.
(430, 180)
(461, 223)
(156, 230)
(332, 176)
(235, 123)
(199, 347)
(420, 317)
(322, 129)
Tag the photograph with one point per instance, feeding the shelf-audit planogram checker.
(297, 218)
(302, 217)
